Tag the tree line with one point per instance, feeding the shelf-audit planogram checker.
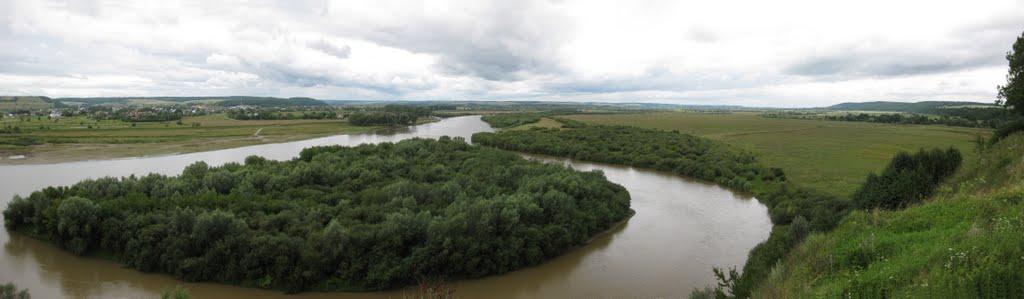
(796, 211)
(958, 117)
(335, 218)
(391, 115)
(260, 114)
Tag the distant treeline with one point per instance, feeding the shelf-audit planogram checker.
(907, 179)
(260, 114)
(390, 115)
(335, 218)
(960, 117)
(794, 210)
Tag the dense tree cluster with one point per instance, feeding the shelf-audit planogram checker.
(391, 115)
(382, 118)
(907, 179)
(508, 120)
(699, 158)
(365, 217)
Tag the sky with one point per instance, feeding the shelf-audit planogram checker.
(756, 53)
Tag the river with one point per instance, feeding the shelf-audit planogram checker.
(682, 228)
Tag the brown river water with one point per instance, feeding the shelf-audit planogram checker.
(682, 228)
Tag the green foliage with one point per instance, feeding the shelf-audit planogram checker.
(10, 291)
(508, 120)
(1006, 129)
(268, 114)
(383, 118)
(1013, 92)
(77, 221)
(177, 292)
(335, 218)
(698, 158)
(907, 179)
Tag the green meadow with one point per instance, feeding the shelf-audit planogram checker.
(832, 156)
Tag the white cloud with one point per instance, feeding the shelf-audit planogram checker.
(777, 53)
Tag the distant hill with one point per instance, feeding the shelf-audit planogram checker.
(918, 107)
(12, 103)
(220, 101)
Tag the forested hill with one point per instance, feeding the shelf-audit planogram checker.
(918, 107)
(335, 218)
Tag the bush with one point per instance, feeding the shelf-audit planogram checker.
(907, 179)
(10, 291)
(1007, 129)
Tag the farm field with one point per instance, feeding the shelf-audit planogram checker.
(832, 156)
(79, 138)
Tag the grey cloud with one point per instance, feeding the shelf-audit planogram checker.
(885, 64)
(508, 40)
(972, 47)
(337, 51)
(657, 79)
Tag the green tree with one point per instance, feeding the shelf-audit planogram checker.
(77, 221)
(1013, 92)
(9, 291)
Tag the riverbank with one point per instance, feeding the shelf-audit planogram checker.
(111, 140)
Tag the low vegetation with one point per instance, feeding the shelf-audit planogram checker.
(10, 291)
(965, 242)
(335, 218)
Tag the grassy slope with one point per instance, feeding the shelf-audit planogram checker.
(19, 103)
(832, 156)
(70, 139)
(966, 242)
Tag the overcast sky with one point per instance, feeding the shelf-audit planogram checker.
(761, 53)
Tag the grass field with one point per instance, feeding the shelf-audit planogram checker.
(70, 139)
(966, 242)
(834, 156)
